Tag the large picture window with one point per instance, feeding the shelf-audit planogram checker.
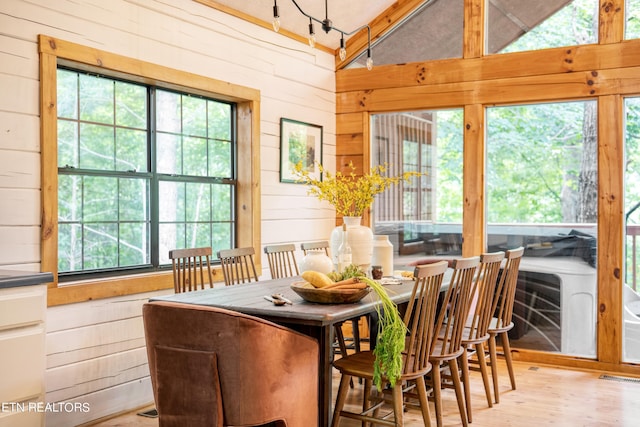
(542, 193)
(138, 159)
(142, 170)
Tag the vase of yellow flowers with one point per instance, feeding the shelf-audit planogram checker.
(351, 195)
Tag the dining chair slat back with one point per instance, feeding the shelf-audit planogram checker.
(420, 315)
(506, 289)
(191, 269)
(502, 323)
(282, 260)
(483, 291)
(455, 307)
(238, 265)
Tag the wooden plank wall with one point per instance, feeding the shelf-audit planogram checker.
(607, 72)
(96, 355)
(95, 349)
(19, 154)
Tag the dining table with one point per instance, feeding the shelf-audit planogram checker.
(312, 319)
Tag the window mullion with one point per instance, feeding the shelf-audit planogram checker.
(155, 186)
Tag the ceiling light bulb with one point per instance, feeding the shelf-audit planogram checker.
(312, 35)
(343, 51)
(276, 17)
(369, 63)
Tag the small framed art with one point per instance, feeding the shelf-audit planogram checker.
(299, 143)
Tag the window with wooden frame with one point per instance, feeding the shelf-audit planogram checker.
(141, 171)
(138, 159)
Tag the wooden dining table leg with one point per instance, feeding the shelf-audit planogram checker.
(324, 374)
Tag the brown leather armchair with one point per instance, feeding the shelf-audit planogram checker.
(215, 367)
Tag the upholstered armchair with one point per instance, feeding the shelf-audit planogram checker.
(215, 367)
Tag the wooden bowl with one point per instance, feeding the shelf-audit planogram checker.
(335, 296)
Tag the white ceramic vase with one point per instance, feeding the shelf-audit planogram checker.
(316, 260)
(360, 239)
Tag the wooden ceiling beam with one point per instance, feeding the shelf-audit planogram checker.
(522, 64)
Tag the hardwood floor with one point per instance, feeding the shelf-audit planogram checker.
(545, 396)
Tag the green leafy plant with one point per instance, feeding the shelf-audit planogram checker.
(350, 271)
(349, 193)
(391, 338)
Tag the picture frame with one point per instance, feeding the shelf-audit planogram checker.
(299, 142)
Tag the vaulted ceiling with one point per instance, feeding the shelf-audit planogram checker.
(432, 30)
(346, 15)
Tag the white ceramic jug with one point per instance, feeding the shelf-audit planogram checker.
(316, 260)
(383, 254)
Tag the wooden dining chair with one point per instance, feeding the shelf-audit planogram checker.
(476, 331)
(502, 323)
(282, 260)
(238, 265)
(191, 269)
(419, 319)
(447, 344)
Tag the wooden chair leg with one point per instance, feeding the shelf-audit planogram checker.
(398, 405)
(506, 347)
(437, 393)
(356, 334)
(355, 325)
(343, 389)
(424, 401)
(340, 338)
(376, 411)
(464, 365)
(455, 376)
(482, 363)
(365, 399)
(341, 343)
(493, 358)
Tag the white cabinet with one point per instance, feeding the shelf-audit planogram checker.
(22, 355)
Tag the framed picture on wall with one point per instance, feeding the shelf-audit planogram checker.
(299, 143)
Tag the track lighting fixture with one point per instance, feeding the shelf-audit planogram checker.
(327, 26)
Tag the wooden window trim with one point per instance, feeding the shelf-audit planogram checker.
(55, 51)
